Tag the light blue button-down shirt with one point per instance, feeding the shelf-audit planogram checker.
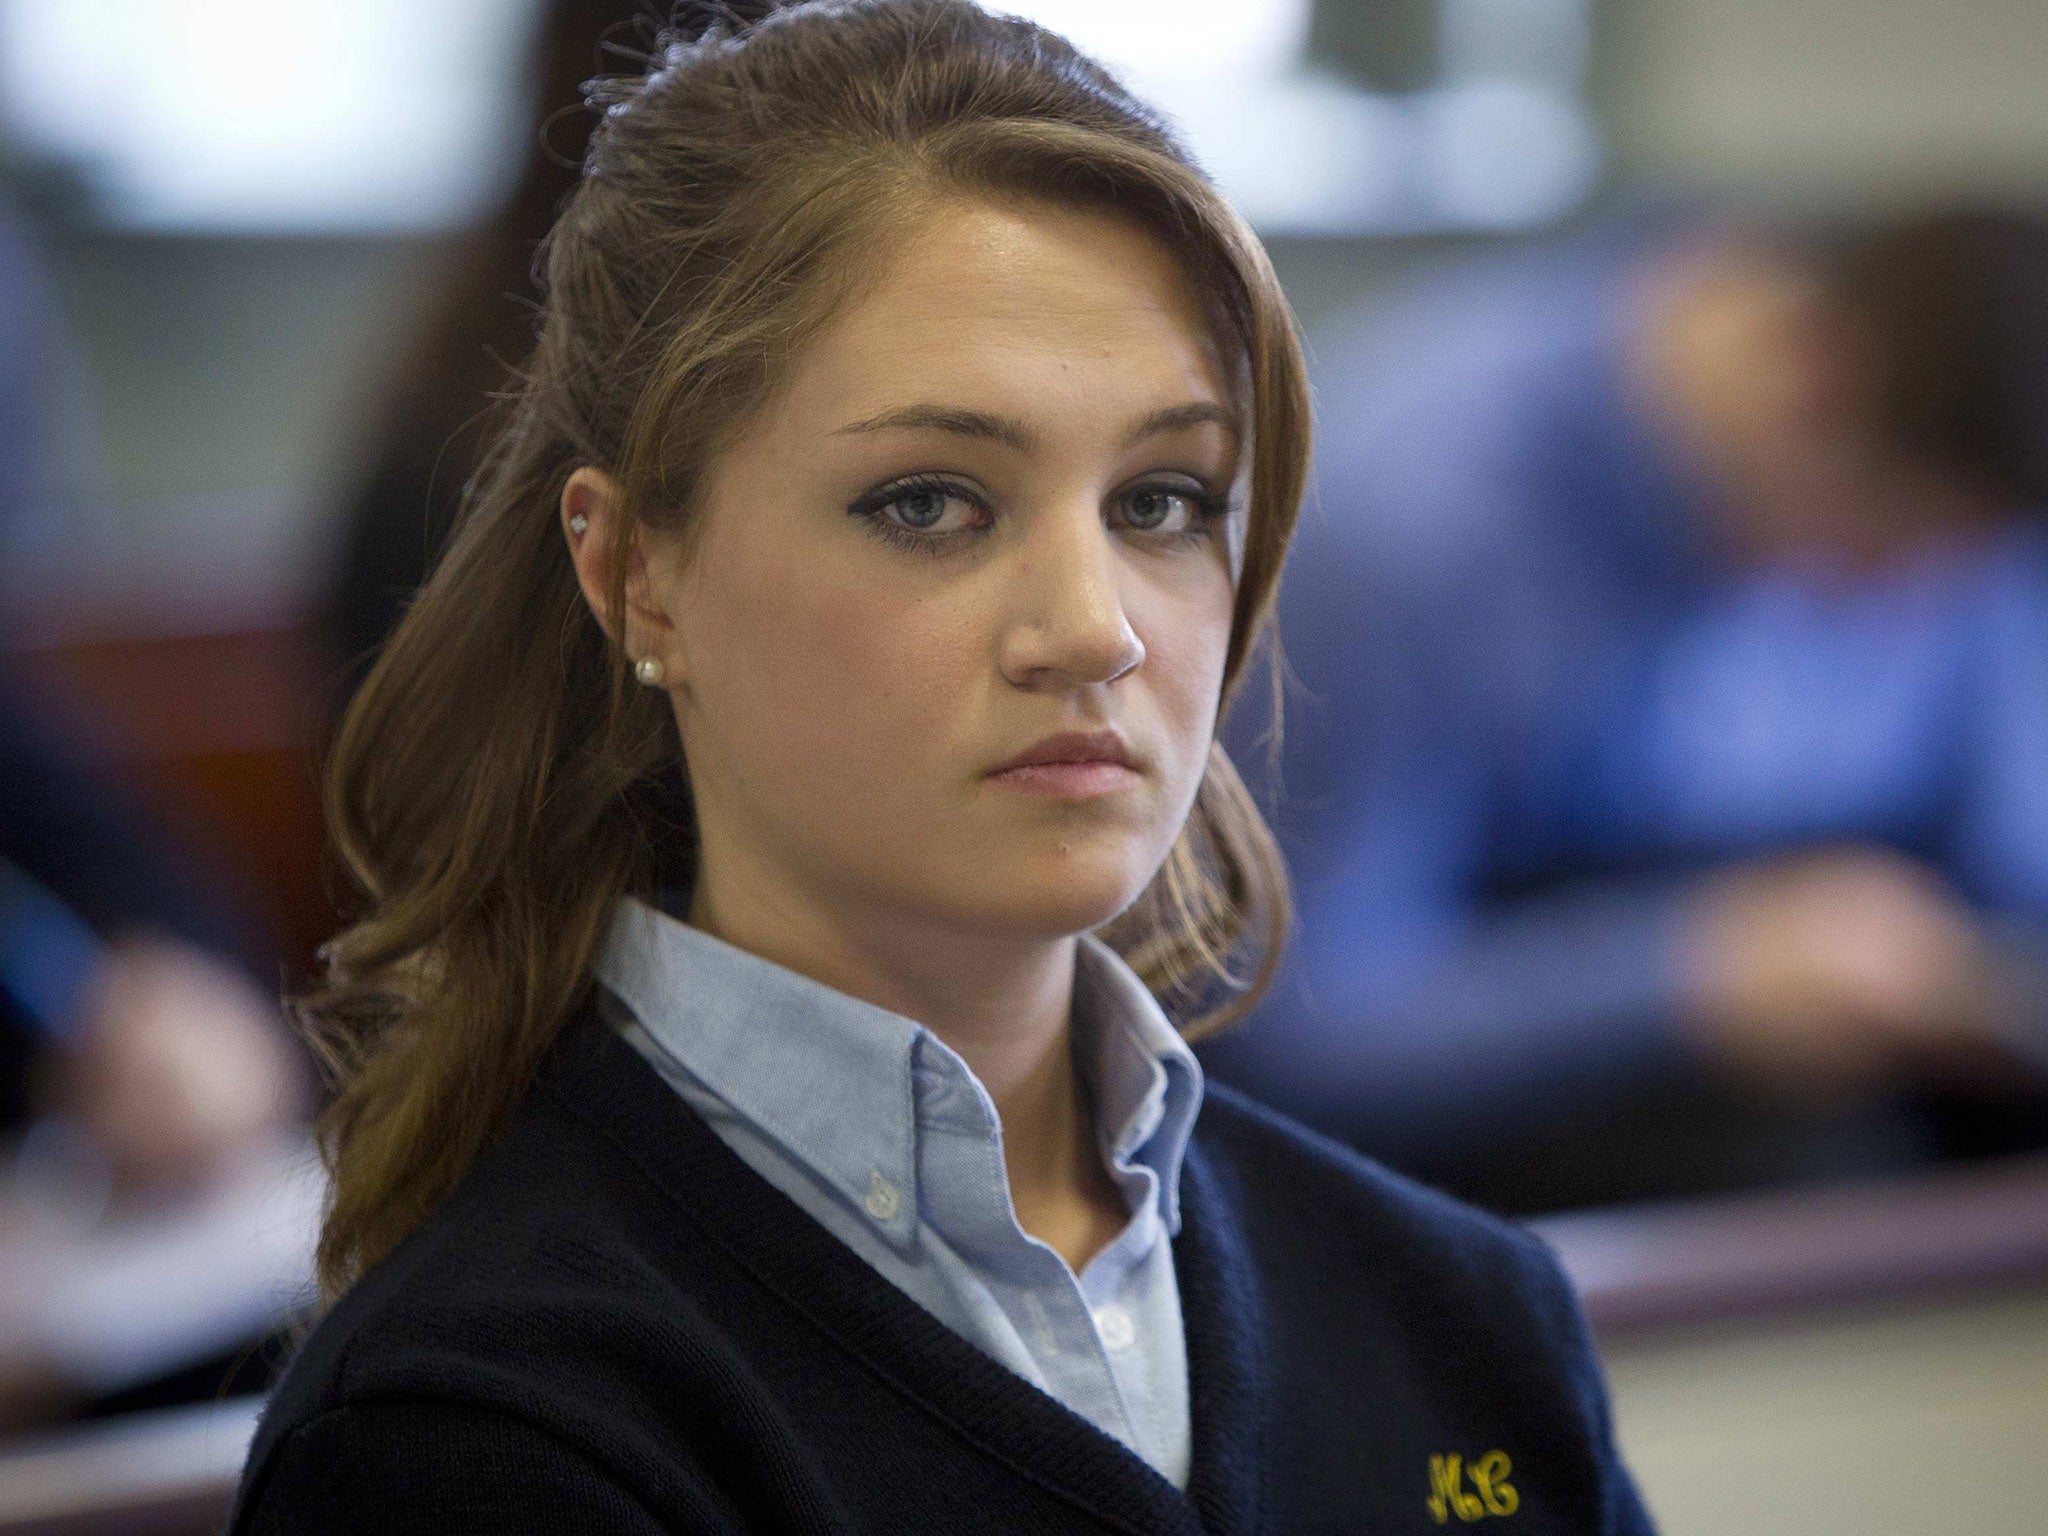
(883, 1134)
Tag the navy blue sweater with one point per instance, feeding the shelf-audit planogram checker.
(616, 1325)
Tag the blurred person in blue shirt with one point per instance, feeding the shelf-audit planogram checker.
(134, 1042)
(126, 1003)
(1667, 782)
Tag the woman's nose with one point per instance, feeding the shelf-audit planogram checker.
(1065, 625)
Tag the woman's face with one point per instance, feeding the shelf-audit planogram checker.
(988, 509)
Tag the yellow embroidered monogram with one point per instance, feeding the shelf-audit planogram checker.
(1491, 1492)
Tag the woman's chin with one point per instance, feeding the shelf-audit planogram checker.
(1070, 895)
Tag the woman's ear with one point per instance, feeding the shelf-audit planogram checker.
(592, 505)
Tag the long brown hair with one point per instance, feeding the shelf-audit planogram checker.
(498, 783)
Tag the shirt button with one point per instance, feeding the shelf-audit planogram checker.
(1118, 1331)
(883, 1201)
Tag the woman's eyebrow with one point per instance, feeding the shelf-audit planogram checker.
(1014, 434)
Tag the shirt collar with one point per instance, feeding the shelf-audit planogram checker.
(1146, 1082)
(821, 1073)
(835, 1081)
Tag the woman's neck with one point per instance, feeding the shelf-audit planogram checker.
(1004, 1006)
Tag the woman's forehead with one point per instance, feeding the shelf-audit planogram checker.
(1015, 312)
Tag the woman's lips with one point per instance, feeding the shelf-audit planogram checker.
(1072, 765)
(1068, 781)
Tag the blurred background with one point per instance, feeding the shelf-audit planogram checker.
(1665, 752)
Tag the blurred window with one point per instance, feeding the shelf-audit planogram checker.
(247, 115)
(244, 115)
(1500, 137)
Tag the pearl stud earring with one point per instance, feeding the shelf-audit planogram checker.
(649, 670)
(579, 523)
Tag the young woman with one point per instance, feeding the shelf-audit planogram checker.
(791, 818)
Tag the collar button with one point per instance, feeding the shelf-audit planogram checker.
(883, 1201)
(1119, 1330)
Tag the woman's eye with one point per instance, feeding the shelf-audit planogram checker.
(922, 509)
(1151, 508)
(932, 508)
(1169, 508)
(935, 515)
